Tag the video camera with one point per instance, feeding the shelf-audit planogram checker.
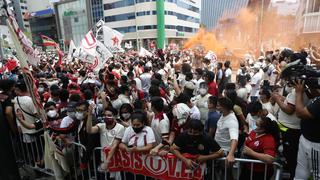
(298, 71)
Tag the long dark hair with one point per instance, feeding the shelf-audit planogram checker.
(271, 127)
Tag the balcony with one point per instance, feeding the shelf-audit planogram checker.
(311, 23)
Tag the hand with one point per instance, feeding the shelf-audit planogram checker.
(154, 151)
(247, 151)
(230, 160)
(163, 152)
(133, 149)
(19, 115)
(190, 164)
(299, 86)
(90, 108)
(201, 159)
(103, 95)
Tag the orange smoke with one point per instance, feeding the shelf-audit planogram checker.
(247, 32)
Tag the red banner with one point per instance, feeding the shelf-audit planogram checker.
(159, 167)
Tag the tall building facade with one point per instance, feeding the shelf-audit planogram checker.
(97, 10)
(161, 21)
(22, 14)
(73, 18)
(308, 21)
(212, 11)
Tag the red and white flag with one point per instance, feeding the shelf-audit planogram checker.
(72, 49)
(102, 56)
(112, 39)
(89, 43)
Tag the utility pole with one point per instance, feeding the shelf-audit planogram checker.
(1, 48)
(261, 23)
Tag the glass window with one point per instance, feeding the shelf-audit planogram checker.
(76, 19)
(126, 29)
(120, 17)
(118, 4)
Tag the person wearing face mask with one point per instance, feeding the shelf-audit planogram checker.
(195, 142)
(111, 134)
(201, 101)
(261, 144)
(125, 115)
(138, 138)
(255, 112)
(197, 80)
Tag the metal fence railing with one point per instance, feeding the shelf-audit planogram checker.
(31, 154)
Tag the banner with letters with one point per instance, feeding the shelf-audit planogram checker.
(159, 167)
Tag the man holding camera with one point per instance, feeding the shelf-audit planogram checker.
(289, 125)
(309, 145)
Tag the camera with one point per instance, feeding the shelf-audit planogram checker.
(298, 71)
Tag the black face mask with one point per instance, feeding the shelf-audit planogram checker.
(137, 130)
(195, 137)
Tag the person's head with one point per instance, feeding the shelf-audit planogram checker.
(123, 80)
(109, 117)
(154, 91)
(265, 125)
(209, 76)
(230, 86)
(265, 95)
(71, 109)
(198, 73)
(212, 102)
(7, 85)
(82, 110)
(189, 76)
(194, 129)
(227, 64)
(124, 89)
(64, 95)
(55, 94)
(87, 94)
(125, 111)
(130, 75)
(51, 110)
(224, 105)
(219, 65)
(203, 90)
(157, 104)
(243, 82)
(75, 97)
(138, 121)
(255, 109)
(185, 68)
(231, 94)
(21, 87)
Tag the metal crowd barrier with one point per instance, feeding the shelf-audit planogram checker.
(28, 154)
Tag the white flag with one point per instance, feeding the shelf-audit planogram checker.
(112, 39)
(83, 55)
(89, 43)
(211, 56)
(72, 49)
(128, 45)
(143, 52)
(102, 56)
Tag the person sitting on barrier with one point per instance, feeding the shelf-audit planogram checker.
(110, 132)
(261, 144)
(195, 142)
(138, 137)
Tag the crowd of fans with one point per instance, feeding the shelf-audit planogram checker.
(169, 103)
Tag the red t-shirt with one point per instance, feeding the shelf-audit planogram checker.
(212, 89)
(263, 144)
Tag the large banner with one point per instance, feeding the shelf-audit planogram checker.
(159, 167)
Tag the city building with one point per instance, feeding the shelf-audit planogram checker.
(34, 5)
(212, 11)
(308, 22)
(20, 8)
(96, 10)
(144, 22)
(73, 19)
(43, 22)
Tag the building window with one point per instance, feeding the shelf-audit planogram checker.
(76, 19)
(143, 13)
(147, 27)
(118, 4)
(126, 29)
(120, 17)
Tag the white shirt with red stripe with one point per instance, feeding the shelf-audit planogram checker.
(146, 136)
(160, 125)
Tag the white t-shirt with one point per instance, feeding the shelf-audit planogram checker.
(202, 104)
(228, 74)
(267, 106)
(256, 80)
(138, 83)
(27, 105)
(227, 130)
(146, 136)
(291, 120)
(195, 113)
(107, 136)
(65, 122)
(145, 81)
(160, 127)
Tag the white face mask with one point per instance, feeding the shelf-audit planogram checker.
(52, 113)
(202, 91)
(126, 115)
(40, 89)
(79, 116)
